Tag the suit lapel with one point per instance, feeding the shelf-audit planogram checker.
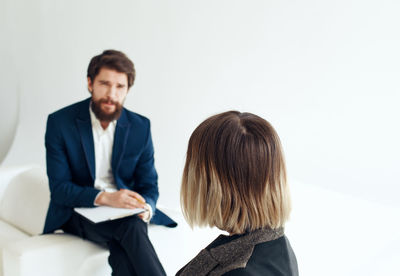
(85, 130)
(120, 140)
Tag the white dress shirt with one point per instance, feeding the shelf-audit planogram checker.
(103, 140)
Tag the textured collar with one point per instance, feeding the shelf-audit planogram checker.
(230, 255)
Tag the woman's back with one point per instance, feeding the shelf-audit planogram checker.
(270, 258)
(261, 252)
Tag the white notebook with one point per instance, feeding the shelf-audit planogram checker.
(105, 213)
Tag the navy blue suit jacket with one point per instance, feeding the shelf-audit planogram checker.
(71, 162)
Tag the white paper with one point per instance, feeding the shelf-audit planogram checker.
(105, 213)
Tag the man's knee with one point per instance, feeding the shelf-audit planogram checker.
(136, 222)
(132, 226)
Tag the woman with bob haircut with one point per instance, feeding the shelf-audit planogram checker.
(235, 179)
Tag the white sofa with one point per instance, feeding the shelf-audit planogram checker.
(24, 197)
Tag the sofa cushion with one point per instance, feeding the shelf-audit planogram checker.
(9, 233)
(25, 201)
(54, 254)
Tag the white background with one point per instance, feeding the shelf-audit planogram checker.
(324, 73)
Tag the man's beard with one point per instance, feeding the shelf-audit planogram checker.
(101, 115)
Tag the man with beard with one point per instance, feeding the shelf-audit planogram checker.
(99, 153)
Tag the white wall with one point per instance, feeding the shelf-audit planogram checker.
(9, 92)
(324, 73)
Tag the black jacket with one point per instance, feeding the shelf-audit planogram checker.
(261, 252)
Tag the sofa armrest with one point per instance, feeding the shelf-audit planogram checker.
(52, 254)
(8, 173)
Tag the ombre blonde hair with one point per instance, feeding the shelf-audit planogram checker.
(235, 175)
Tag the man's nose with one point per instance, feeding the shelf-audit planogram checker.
(112, 92)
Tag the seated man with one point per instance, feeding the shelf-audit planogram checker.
(99, 153)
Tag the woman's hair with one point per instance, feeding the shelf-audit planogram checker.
(235, 176)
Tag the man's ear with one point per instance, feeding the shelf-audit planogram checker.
(90, 85)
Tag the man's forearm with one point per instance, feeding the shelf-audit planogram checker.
(69, 194)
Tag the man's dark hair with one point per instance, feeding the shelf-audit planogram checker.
(115, 60)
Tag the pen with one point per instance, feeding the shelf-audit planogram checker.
(140, 201)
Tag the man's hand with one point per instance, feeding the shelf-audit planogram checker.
(122, 199)
(145, 216)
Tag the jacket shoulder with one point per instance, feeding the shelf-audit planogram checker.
(274, 257)
(137, 118)
(71, 109)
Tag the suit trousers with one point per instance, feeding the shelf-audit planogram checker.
(131, 252)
